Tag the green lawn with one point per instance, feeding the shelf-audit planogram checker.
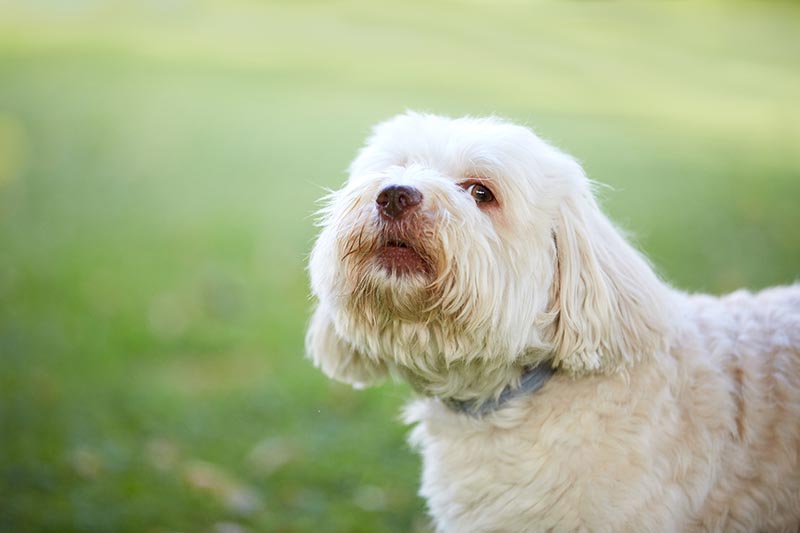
(159, 166)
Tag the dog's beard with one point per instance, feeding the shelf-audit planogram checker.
(393, 268)
(405, 303)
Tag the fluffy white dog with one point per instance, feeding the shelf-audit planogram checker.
(563, 386)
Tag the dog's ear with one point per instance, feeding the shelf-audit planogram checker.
(609, 305)
(335, 357)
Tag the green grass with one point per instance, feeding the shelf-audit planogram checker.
(159, 165)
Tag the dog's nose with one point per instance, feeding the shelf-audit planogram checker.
(396, 200)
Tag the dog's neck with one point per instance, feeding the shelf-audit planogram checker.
(533, 379)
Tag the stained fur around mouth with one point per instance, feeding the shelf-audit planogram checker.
(423, 297)
(374, 235)
(401, 252)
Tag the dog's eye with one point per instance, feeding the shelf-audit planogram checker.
(481, 193)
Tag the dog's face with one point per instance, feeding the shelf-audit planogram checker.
(446, 258)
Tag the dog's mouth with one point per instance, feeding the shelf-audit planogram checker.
(399, 257)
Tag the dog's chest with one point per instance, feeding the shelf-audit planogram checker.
(552, 469)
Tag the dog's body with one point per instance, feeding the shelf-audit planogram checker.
(463, 252)
(702, 437)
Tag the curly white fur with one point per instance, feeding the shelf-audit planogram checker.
(667, 412)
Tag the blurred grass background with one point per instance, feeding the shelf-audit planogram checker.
(159, 164)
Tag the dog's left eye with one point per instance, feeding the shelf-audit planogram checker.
(481, 193)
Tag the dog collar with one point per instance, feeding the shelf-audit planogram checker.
(531, 381)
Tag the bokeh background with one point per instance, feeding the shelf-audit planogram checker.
(159, 167)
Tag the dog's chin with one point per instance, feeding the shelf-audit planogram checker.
(392, 281)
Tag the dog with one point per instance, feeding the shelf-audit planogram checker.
(562, 386)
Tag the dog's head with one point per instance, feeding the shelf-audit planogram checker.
(461, 251)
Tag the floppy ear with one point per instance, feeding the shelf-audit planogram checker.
(609, 305)
(337, 358)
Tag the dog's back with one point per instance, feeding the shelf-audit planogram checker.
(754, 340)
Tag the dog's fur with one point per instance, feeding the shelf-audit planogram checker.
(667, 411)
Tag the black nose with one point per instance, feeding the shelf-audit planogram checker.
(396, 200)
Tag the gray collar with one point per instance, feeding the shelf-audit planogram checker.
(531, 381)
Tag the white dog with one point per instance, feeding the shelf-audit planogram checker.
(563, 386)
